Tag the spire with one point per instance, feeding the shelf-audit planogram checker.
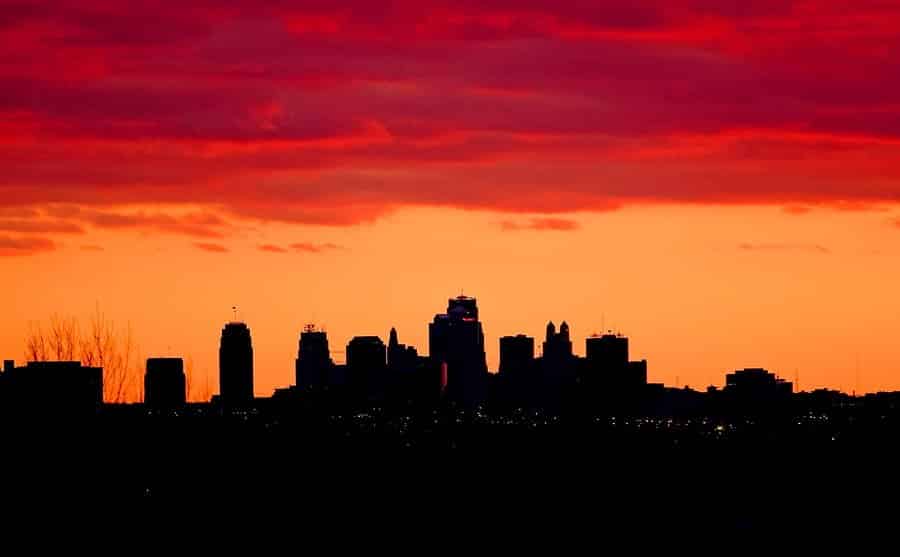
(564, 330)
(393, 341)
(551, 330)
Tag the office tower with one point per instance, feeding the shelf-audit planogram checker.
(313, 367)
(456, 340)
(51, 388)
(366, 366)
(366, 352)
(236, 365)
(557, 346)
(636, 374)
(607, 352)
(400, 357)
(164, 383)
(516, 354)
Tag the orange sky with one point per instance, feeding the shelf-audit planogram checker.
(699, 290)
(718, 180)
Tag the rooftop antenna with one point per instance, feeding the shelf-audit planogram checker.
(234, 311)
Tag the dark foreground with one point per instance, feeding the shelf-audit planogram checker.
(456, 475)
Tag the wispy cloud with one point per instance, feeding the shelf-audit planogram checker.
(39, 226)
(11, 246)
(552, 224)
(271, 248)
(215, 248)
(797, 209)
(197, 224)
(309, 247)
(776, 247)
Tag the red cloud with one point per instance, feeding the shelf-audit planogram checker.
(811, 248)
(541, 224)
(204, 225)
(12, 246)
(39, 226)
(215, 248)
(315, 248)
(336, 115)
(272, 248)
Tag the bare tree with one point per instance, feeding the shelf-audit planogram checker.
(189, 378)
(102, 345)
(196, 387)
(36, 349)
(64, 338)
(114, 350)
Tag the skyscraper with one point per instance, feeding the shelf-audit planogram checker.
(236, 365)
(400, 357)
(313, 365)
(608, 366)
(366, 366)
(164, 383)
(557, 346)
(516, 354)
(456, 339)
(366, 352)
(607, 352)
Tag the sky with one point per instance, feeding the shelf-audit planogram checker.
(716, 180)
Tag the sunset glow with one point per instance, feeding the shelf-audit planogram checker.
(719, 181)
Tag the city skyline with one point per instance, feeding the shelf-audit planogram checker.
(318, 364)
(67, 376)
(284, 373)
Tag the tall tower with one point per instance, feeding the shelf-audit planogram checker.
(564, 331)
(236, 365)
(393, 340)
(608, 352)
(400, 357)
(164, 383)
(313, 363)
(516, 355)
(557, 346)
(456, 339)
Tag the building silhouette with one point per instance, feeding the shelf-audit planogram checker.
(607, 352)
(236, 365)
(456, 345)
(557, 345)
(164, 383)
(516, 355)
(609, 375)
(51, 388)
(367, 367)
(400, 357)
(756, 383)
(636, 374)
(313, 367)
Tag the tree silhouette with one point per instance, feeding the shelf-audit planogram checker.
(102, 344)
(196, 387)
